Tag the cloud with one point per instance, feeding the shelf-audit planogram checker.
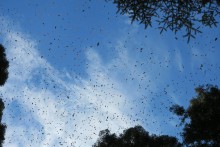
(55, 108)
(179, 61)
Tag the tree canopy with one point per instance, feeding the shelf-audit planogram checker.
(135, 137)
(4, 66)
(201, 119)
(3, 77)
(2, 126)
(174, 15)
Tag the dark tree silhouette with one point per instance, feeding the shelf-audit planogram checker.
(4, 66)
(2, 126)
(135, 137)
(3, 77)
(201, 119)
(173, 15)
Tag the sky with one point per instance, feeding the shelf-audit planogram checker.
(77, 67)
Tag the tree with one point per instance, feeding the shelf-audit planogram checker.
(3, 77)
(135, 137)
(2, 126)
(174, 15)
(4, 66)
(201, 119)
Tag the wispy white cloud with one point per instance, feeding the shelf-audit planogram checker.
(179, 61)
(66, 112)
(59, 107)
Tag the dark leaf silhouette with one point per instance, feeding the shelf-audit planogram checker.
(3, 77)
(4, 66)
(174, 15)
(2, 126)
(203, 127)
(135, 137)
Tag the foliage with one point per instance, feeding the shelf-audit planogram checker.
(3, 77)
(174, 15)
(135, 137)
(2, 126)
(4, 66)
(203, 127)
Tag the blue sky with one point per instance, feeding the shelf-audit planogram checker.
(77, 67)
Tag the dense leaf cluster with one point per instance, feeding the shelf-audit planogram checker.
(3, 77)
(2, 126)
(3, 66)
(203, 127)
(135, 137)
